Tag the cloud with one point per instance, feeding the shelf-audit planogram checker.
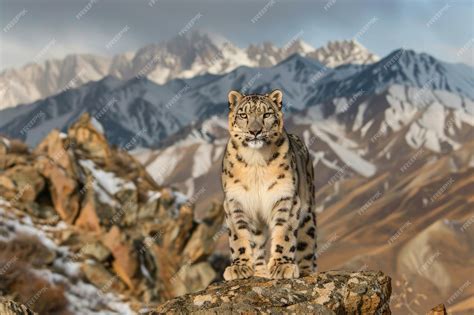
(398, 24)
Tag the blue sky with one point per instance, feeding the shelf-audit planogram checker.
(43, 29)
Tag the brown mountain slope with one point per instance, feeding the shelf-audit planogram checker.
(418, 228)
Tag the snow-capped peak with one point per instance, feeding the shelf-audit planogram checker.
(336, 53)
(190, 53)
(301, 47)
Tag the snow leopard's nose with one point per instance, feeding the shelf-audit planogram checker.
(255, 128)
(255, 132)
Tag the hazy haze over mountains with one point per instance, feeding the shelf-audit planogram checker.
(195, 53)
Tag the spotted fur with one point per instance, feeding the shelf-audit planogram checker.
(267, 177)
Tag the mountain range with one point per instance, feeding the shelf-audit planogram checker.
(194, 53)
(155, 112)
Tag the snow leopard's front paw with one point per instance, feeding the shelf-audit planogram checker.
(234, 272)
(284, 271)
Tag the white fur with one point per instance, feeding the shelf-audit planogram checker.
(257, 202)
(257, 144)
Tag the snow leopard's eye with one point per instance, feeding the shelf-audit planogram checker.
(267, 115)
(243, 116)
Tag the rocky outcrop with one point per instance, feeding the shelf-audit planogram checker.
(332, 292)
(125, 233)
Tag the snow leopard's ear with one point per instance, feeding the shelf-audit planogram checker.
(234, 98)
(277, 97)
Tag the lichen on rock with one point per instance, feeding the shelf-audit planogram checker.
(331, 292)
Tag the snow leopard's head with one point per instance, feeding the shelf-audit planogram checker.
(255, 120)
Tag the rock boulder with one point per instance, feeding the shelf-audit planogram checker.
(331, 292)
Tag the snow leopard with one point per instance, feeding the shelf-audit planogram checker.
(269, 194)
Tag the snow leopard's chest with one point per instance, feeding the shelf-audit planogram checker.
(257, 188)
